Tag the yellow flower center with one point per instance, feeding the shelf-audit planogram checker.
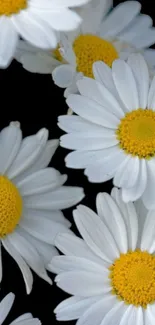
(133, 278)
(9, 7)
(136, 133)
(91, 48)
(10, 206)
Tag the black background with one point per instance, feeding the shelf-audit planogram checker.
(43, 103)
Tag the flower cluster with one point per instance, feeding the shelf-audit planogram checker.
(101, 56)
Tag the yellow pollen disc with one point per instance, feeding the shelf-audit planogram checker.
(136, 133)
(10, 206)
(91, 48)
(133, 278)
(9, 7)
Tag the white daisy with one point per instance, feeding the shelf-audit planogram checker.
(122, 32)
(5, 307)
(31, 199)
(36, 60)
(114, 134)
(36, 21)
(111, 271)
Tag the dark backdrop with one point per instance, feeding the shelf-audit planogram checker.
(19, 89)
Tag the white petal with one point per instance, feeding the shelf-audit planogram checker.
(1, 267)
(31, 321)
(149, 193)
(93, 14)
(29, 254)
(42, 228)
(89, 140)
(79, 159)
(132, 226)
(103, 73)
(147, 242)
(141, 212)
(34, 30)
(10, 141)
(63, 75)
(66, 49)
(120, 17)
(47, 5)
(141, 74)
(27, 275)
(114, 316)
(134, 193)
(138, 27)
(91, 111)
(46, 251)
(30, 149)
(70, 3)
(149, 315)
(130, 166)
(64, 20)
(42, 181)
(59, 4)
(42, 161)
(126, 316)
(5, 306)
(95, 233)
(82, 283)
(72, 89)
(107, 166)
(151, 97)
(110, 214)
(62, 198)
(71, 245)
(146, 39)
(95, 314)
(130, 218)
(149, 55)
(22, 318)
(8, 41)
(73, 123)
(45, 157)
(38, 63)
(125, 84)
(54, 215)
(74, 307)
(61, 264)
(95, 173)
(132, 316)
(95, 158)
(24, 47)
(98, 92)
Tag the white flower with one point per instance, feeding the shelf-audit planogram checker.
(103, 37)
(38, 22)
(31, 199)
(111, 271)
(36, 60)
(114, 134)
(5, 307)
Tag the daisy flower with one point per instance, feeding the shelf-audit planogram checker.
(104, 37)
(31, 199)
(110, 271)
(36, 60)
(36, 21)
(5, 307)
(114, 134)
